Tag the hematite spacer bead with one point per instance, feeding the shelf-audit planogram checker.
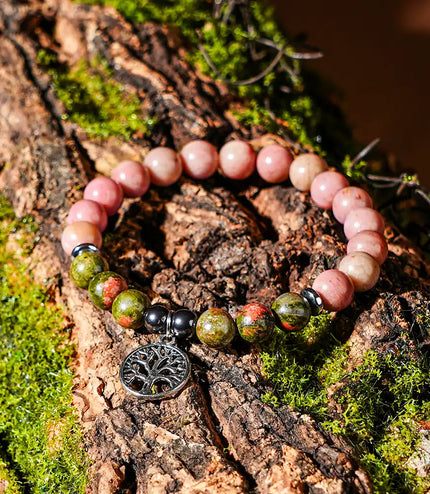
(180, 323)
(81, 248)
(156, 319)
(314, 299)
(183, 323)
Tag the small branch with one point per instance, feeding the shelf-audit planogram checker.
(364, 152)
(243, 82)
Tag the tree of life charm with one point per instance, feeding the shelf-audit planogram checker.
(155, 371)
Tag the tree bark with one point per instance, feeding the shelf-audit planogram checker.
(194, 245)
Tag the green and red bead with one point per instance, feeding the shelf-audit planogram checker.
(215, 328)
(85, 267)
(105, 287)
(129, 308)
(292, 310)
(255, 322)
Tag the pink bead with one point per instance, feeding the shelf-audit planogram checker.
(200, 159)
(325, 186)
(370, 242)
(361, 219)
(335, 288)
(106, 192)
(81, 232)
(347, 200)
(237, 160)
(362, 269)
(304, 169)
(165, 166)
(133, 177)
(273, 163)
(89, 211)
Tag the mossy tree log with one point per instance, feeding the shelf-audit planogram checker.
(195, 245)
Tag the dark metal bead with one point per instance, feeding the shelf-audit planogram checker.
(183, 323)
(156, 319)
(314, 299)
(81, 248)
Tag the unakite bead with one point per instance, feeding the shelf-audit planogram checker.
(215, 328)
(105, 287)
(129, 307)
(85, 267)
(292, 310)
(255, 322)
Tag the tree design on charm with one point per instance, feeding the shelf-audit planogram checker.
(155, 371)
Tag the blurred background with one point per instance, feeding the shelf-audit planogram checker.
(378, 54)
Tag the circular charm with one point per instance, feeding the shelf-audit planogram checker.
(155, 371)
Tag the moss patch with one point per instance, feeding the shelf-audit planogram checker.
(8, 481)
(38, 428)
(92, 99)
(287, 363)
(228, 47)
(382, 401)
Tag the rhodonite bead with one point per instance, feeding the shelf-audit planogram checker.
(314, 299)
(304, 169)
(164, 165)
(133, 177)
(335, 288)
(89, 211)
(105, 287)
(215, 328)
(273, 163)
(85, 266)
(348, 199)
(183, 323)
(79, 233)
(362, 269)
(106, 192)
(237, 160)
(293, 311)
(325, 186)
(156, 319)
(361, 219)
(255, 322)
(370, 242)
(129, 308)
(200, 159)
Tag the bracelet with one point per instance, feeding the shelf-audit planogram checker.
(160, 370)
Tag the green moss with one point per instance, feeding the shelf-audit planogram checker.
(305, 111)
(354, 170)
(293, 361)
(228, 47)
(92, 99)
(382, 400)
(38, 427)
(8, 481)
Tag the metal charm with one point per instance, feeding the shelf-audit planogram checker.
(155, 371)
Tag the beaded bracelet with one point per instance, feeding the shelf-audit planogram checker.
(159, 370)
